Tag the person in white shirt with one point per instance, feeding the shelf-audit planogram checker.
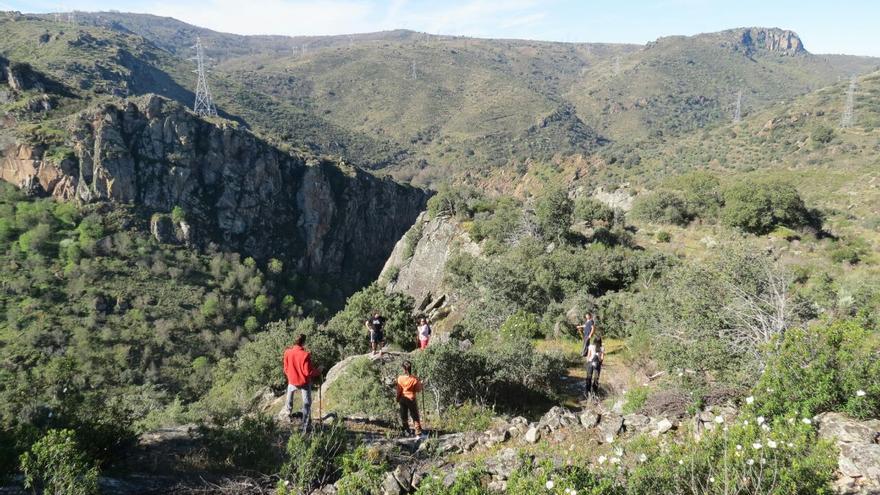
(424, 333)
(595, 357)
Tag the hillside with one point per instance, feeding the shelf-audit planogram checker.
(474, 105)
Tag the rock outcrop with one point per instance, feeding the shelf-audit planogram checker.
(327, 219)
(858, 443)
(772, 40)
(417, 264)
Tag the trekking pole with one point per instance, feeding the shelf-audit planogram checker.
(320, 399)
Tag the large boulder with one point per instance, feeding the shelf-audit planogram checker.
(859, 452)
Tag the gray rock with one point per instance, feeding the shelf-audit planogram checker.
(859, 454)
(662, 426)
(533, 435)
(589, 419)
(390, 486)
(505, 463)
(609, 426)
(636, 422)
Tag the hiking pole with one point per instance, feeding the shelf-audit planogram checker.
(320, 399)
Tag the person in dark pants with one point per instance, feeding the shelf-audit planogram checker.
(595, 357)
(376, 329)
(407, 387)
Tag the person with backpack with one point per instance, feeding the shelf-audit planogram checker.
(595, 358)
(376, 329)
(300, 373)
(408, 385)
(424, 333)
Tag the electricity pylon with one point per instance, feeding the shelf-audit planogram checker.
(204, 105)
(737, 114)
(847, 119)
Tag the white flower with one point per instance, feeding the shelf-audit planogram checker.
(757, 445)
(567, 491)
(643, 458)
(771, 444)
(769, 390)
(807, 421)
(601, 459)
(763, 461)
(549, 484)
(609, 439)
(286, 482)
(750, 462)
(746, 422)
(615, 460)
(680, 374)
(739, 447)
(790, 420)
(760, 420)
(765, 427)
(681, 462)
(574, 492)
(790, 445)
(860, 393)
(750, 399)
(719, 419)
(711, 479)
(724, 429)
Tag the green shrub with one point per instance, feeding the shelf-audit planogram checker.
(55, 464)
(823, 368)
(348, 324)
(663, 236)
(592, 211)
(366, 388)
(822, 134)
(521, 324)
(178, 215)
(760, 206)
(768, 456)
(663, 206)
(313, 460)
(701, 192)
(635, 399)
(250, 443)
(851, 251)
(459, 202)
(500, 225)
(363, 471)
(35, 240)
(553, 213)
(411, 240)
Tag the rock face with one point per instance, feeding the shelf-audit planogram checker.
(772, 40)
(418, 262)
(859, 457)
(238, 191)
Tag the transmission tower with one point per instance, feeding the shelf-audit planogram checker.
(204, 105)
(737, 114)
(415, 75)
(847, 119)
(71, 18)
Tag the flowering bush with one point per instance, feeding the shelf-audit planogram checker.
(818, 369)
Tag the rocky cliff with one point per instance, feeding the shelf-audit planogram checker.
(238, 191)
(417, 265)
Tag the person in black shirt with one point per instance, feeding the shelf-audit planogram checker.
(375, 326)
(587, 330)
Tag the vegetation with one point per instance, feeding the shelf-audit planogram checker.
(55, 464)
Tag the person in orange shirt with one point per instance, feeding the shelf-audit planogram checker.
(407, 387)
(300, 372)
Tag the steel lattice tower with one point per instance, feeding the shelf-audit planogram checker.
(737, 114)
(847, 119)
(204, 105)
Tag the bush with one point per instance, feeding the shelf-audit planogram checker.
(760, 206)
(313, 460)
(635, 399)
(459, 202)
(592, 211)
(823, 368)
(501, 225)
(56, 465)
(178, 215)
(769, 456)
(250, 443)
(553, 211)
(822, 134)
(363, 471)
(348, 324)
(663, 206)
(701, 192)
(366, 388)
(663, 236)
(521, 325)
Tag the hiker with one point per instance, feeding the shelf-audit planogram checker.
(375, 326)
(587, 330)
(300, 372)
(595, 358)
(424, 333)
(407, 388)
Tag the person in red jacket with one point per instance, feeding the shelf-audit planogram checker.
(300, 372)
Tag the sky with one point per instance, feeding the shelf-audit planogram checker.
(844, 26)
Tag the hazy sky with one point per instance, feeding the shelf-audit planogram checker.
(844, 26)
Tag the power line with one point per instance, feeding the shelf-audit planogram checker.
(204, 104)
(847, 119)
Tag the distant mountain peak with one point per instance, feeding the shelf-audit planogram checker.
(775, 40)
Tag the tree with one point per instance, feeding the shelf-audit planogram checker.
(592, 211)
(759, 206)
(553, 212)
(55, 465)
(663, 206)
(348, 324)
